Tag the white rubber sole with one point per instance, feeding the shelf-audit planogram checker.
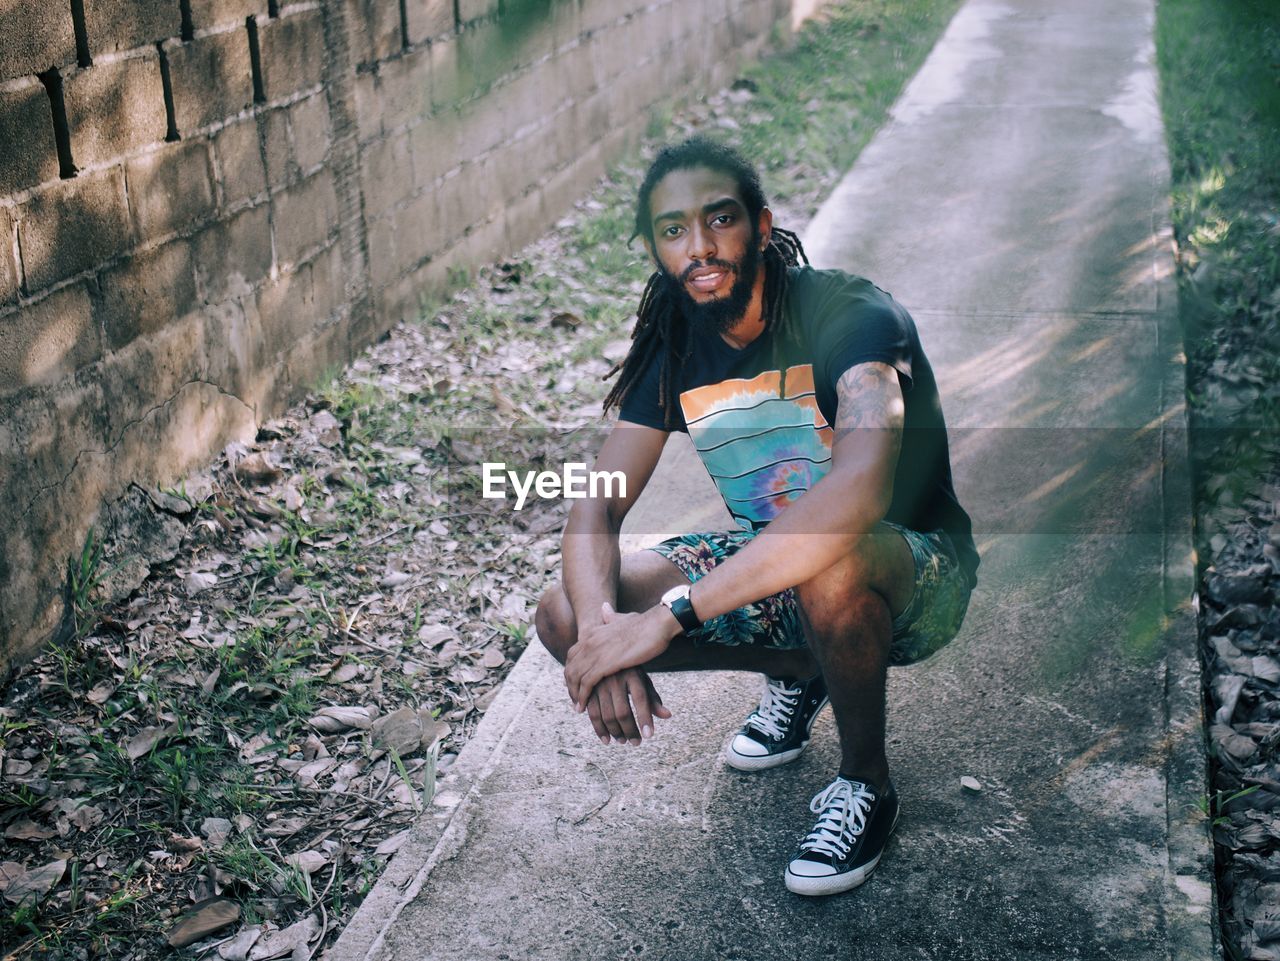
(831, 884)
(836, 883)
(745, 762)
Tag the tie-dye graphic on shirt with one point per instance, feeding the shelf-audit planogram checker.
(762, 450)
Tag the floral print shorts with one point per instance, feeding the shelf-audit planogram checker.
(932, 618)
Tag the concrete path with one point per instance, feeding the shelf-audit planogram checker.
(1016, 203)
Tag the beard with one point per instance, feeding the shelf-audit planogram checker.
(719, 315)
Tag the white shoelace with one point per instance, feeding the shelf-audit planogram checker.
(843, 807)
(776, 707)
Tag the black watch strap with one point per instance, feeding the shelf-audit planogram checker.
(682, 608)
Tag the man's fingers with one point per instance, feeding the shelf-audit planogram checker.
(622, 710)
(659, 709)
(609, 711)
(593, 712)
(591, 677)
(575, 681)
(638, 687)
(571, 676)
(607, 612)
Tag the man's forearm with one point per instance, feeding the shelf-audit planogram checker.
(807, 538)
(592, 561)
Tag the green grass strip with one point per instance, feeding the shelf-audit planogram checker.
(1220, 83)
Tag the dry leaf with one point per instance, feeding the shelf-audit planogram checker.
(146, 739)
(197, 582)
(308, 862)
(327, 427)
(345, 673)
(31, 886)
(395, 579)
(292, 498)
(616, 350)
(216, 831)
(254, 750)
(1227, 688)
(333, 719)
(256, 469)
(210, 682)
(101, 692)
(86, 816)
(432, 728)
(28, 830)
(393, 844)
(203, 920)
(309, 774)
(514, 607)
(399, 731)
(10, 871)
(1232, 744)
(313, 747)
(285, 827)
(237, 949)
(276, 944)
(433, 635)
(1265, 668)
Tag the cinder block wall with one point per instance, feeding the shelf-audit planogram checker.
(206, 204)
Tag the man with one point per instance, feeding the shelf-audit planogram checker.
(811, 403)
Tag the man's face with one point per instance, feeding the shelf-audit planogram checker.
(705, 245)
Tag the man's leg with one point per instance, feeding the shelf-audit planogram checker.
(847, 612)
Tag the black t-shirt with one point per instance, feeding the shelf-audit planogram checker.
(766, 441)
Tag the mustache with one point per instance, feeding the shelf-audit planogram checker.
(710, 262)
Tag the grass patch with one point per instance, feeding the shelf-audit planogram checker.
(1220, 76)
(809, 121)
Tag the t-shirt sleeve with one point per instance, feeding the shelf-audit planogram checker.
(642, 405)
(858, 329)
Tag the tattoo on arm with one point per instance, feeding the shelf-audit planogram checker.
(869, 397)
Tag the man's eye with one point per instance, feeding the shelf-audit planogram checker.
(722, 220)
(671, 231)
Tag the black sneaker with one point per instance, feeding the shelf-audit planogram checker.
(844, 847)
(778, 730)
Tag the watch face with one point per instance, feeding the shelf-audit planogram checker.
(674, 594)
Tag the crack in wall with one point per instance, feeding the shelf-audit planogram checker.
(124, 430)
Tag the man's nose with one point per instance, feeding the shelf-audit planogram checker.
(702, 245)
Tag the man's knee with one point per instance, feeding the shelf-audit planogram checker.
(846, 593)
(555, 623)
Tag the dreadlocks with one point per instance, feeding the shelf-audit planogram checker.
(660, 325)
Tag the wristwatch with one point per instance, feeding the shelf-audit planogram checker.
(677, 602)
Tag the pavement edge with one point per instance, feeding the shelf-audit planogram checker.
(439, 834)
(1191, 900)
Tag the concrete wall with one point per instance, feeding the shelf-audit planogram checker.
(206, 204)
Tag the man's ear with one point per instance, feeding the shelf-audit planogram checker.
(764, 226)
(648, 245)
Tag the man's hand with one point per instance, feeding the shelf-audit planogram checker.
(623, 706)
(621, 641)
